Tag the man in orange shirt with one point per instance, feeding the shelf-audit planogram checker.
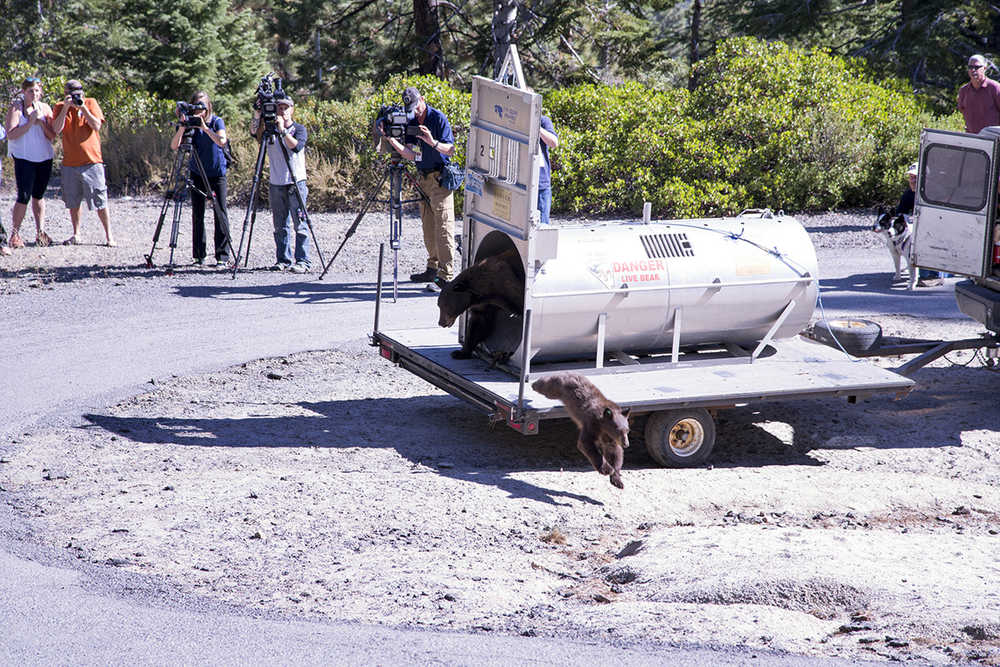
(78, 119)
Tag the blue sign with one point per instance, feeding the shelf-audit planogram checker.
(474, 182)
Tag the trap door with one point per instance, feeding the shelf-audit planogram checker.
(955, 201)
(502, 161)
(502, 158)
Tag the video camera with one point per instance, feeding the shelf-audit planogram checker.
(269, 90)
(392, 119)
(187, 112)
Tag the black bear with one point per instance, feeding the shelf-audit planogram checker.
(603, 425)
(489, 289)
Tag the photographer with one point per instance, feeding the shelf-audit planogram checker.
(78, 119)
(209, 139)
(285, 176)
(29, 136)
(435, 143)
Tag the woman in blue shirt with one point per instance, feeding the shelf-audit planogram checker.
(208, 139)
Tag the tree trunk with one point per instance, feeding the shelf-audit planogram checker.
(428, 36)
(504, 20)
(695, 38)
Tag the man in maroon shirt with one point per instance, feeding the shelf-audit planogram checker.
(979, 100)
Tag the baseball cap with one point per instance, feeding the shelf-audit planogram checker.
(73, 84)
(410, 98)
(913, 169)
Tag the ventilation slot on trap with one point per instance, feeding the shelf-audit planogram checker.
(667, 245)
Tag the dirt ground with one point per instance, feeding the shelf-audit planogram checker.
(334, 485)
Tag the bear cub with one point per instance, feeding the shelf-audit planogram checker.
(603, 425)
(489, 289)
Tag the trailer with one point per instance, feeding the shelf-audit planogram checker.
(679, 398)
(674, 319)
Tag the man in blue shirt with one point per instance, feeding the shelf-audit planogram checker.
(433, 148)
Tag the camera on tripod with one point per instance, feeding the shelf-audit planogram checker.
(392, 119)
(187, 111)
(269, 90)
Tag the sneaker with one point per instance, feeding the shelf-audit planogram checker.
(929, 282)
(427, 276)
(299, 267)
(432, 287)
(280, 266)
(198, 261)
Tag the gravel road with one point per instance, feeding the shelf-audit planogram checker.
(328, 483)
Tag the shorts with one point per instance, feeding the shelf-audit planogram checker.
(32, 179)
(84, 183)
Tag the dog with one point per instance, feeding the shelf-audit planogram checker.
(489, 289)
(897, 232)
(603, 425)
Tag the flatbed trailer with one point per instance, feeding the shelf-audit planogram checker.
(680, 396)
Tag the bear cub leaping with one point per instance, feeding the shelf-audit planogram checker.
(603, 425)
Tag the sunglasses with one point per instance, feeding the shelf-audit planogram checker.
(31, 79)
(973, 68)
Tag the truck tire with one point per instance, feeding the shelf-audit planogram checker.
(680, 438)
(855, 336)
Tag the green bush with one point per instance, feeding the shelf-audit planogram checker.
(805, 129)
(768, 126)
(623, 145)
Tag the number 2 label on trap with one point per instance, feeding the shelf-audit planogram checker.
(474, 182)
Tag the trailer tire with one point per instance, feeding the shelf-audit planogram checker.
(854, 335)
(680, 438)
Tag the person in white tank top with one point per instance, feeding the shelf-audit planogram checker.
(29, 141)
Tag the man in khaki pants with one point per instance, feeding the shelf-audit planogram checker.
(434, 145)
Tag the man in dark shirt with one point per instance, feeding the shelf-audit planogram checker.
(433, 148)
(926, 277)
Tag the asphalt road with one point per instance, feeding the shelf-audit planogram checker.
(76, 354)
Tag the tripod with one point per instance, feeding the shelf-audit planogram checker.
(177, 189)
(270, 134)
(395, 171)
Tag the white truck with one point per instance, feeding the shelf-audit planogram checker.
(956, 229)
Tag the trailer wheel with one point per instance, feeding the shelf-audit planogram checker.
(855, 335)
(680, 438)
